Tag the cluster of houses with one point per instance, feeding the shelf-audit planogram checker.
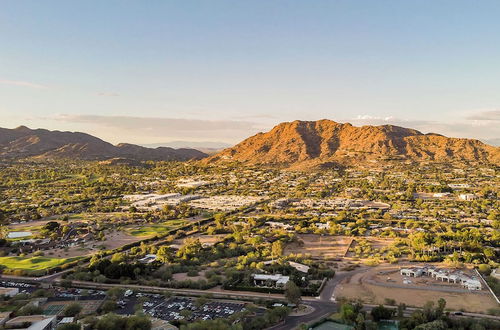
(79, 233)
(329, 203)
(224, 202)
(442, 274)
(277, 281)
(151, 202)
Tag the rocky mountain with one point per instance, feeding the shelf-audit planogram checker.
(323, 142)
(23, 142)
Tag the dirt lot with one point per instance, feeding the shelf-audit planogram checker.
(184, 276)
(112, 241)
(374, 242)
(117, 239)
(204, 239)
(320, 246)
(369, 286)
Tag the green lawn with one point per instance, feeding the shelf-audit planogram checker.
(155, 229)
(33, 263)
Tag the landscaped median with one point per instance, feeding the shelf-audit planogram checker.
(37, 265)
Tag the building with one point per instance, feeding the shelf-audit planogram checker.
(274, 281)
(496, 273)
(32, 322)
(148, 258)
(11, 292)
(467, 197)
(444, 275)
(274, 224)
(321, 225)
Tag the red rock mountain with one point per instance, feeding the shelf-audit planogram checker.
(311, 143)
(23, 142)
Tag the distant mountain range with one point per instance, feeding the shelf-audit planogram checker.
(191, 144)
(325, 142)
(23, 142)
(208, 147)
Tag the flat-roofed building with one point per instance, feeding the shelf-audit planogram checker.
(276, 280)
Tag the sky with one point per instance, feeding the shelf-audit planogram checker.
(153, 71)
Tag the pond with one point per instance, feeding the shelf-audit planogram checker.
(19, 234)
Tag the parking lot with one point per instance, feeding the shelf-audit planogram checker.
(23, 287)
(156, 305)
(180, 308)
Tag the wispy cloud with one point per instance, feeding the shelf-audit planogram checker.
(481, 125)
(22, 84)
(485, 115)
(108, 94)
(136, 128)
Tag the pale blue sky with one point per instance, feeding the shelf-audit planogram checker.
(153, 71)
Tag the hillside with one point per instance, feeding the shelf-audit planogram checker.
(312, 143)
(23, 142)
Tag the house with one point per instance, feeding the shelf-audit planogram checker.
(472, 284)
(274, 224)
(321, 225)
(444, 275)
(66, 320)
(147, 259)
(276, 280)
(467, 197)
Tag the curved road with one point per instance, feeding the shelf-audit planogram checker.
(323, 305)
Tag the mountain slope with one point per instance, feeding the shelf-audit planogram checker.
(23, 142)
(325, 141)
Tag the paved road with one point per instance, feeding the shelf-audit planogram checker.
(323, 305)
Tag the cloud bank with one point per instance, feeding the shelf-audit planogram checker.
(153, 129)
(22, 84)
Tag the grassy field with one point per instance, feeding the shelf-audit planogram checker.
(34, 263)
(155, 229)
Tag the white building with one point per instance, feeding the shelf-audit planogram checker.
(148, 258)
(467, 197)
(274, 224)
(496, 273)
(276, 280)
(11, 292)
(444, 275)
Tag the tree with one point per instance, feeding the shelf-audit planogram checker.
(51, 226)
(292, 293)
(440, 308)
(72, 310)
(347, 313)
(138, 322)
(109, 306)
(4, 232)
(118, 257)
(69, 326)
(381, 313)
(163, 254)
(434, 325)
(111, 322)
(277, 249)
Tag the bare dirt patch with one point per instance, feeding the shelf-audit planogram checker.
(204, 239)
(320, 246)
(371, 287)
